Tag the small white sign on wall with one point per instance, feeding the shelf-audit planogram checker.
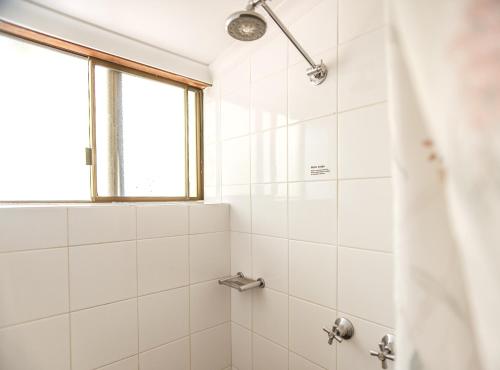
(318, 170)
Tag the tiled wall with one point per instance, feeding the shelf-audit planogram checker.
(322, 242)
(114, 287)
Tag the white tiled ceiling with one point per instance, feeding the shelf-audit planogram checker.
(191, 28)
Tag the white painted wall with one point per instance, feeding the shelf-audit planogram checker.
(322, 242)
(55, 24)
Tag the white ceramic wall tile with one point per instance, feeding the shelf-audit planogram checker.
(156, 221)
(131, 363)
(100, 224)
(359, 16)
(211, 166)
(312, 210)
(316, 30)
(306, 101)
(241, 258)
(364, 143)
(162, 263)
(40, 345)
(354, 356)
(238, 197)
(210, 256)
(300, 363)
(235, 112)
(102, 273)
(211, 105)
(241, 346)
(236, 161)
(163, 317)
(274, 50)
(102, 335)
(33, 285)
(365, 214)
(241, 308)
(306, 335)
(313, 272)
(212, 194)
(362, 75)
(236, 77)
(269, 156)
(368, 295)
(270, 261)
(175, 355)
(210, 305)
(268, 355)
(47, 228)
(269, 209)
(268, 104)
(208, 218)
(211, 348)
(270, 315)
(312, 150)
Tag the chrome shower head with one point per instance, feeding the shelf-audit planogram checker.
(247, 25)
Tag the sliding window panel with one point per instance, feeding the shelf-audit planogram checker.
(194, 127)
(140, 135)
(44, 123)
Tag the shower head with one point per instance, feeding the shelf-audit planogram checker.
(247, 25)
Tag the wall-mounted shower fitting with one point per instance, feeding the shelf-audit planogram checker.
(248, 25)
(242, 283)
(386, 350)
(342, 329)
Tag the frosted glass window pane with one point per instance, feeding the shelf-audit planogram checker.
(44, 123)
(140, 136)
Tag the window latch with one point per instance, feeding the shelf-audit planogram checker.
(88, 156)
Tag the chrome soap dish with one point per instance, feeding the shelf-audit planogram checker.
(241, 283)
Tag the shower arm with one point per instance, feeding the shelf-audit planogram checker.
(317, 72)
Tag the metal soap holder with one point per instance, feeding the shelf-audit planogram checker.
(240, 282)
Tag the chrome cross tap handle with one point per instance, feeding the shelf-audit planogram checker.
(342, 329)
(386, 350)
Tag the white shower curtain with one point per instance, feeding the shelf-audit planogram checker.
(445, 112)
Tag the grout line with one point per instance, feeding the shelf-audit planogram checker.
(308, 360)
(107, 303)
(27, 322)
(227, 322)
(338, 181)
(378, 102)
(272, 341)
(109, 242)
(367, 320)
(114, 362)
(288, 195)
(137, 288)
(33, 250)
(360, 35)
(189, 286)
(315, 118)
(165, 344)
(251, 238)
(309, 181)
(69, 293)
(366, 249)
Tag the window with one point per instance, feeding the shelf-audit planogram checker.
(76, 128)
(43, 123)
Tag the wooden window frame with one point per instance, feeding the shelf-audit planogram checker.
(96, 57)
